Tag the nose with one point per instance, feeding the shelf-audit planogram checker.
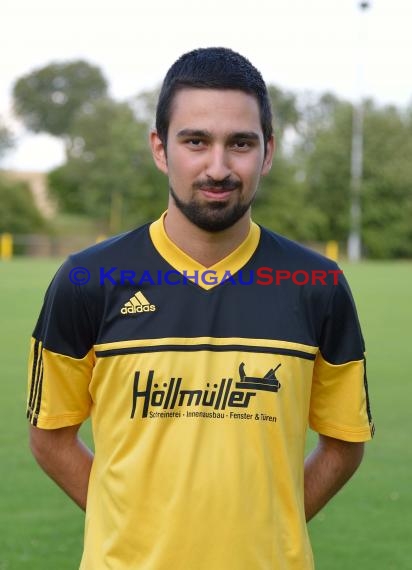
(218, 167)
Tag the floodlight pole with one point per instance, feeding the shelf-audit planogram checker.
(356, 171)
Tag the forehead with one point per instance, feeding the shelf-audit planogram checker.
(211, 109)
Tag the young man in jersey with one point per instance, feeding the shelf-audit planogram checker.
(200, 389)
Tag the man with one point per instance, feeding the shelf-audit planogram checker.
(199, 361)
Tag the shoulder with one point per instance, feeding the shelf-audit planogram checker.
(84, 268)
(315, 278)
(79, 277)
(75, 300)
(121, 247)
(293, 254)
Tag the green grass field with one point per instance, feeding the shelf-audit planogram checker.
(366, 527)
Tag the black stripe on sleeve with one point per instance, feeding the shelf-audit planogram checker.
(368, 407)
(36, 387)
(39, 394)
(33, 373)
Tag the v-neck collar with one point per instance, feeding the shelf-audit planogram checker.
(191, 268)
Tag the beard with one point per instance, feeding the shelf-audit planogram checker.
(212, 216)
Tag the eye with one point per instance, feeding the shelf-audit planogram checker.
(195, 143)
(241, 145)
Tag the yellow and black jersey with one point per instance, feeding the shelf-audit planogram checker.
(200, 383)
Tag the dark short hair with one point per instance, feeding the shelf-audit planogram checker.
(212, 68)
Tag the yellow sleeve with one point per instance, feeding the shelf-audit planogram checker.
(339, 405)
(58, 387)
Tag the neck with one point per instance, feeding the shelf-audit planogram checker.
(207, 248)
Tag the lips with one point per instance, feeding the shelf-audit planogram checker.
(215, 193)
(217, 190)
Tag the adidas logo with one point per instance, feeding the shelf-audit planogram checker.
(137, 304)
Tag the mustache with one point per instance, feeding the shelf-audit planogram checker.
(225, 184)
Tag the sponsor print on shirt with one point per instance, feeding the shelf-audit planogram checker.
(155, 398)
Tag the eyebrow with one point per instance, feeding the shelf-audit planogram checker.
(248, 135)
(193, 133)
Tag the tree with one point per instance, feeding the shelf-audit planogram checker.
(283, 203)
(326, 147)
(6, 139)
(285, 112)
(47, 99)
(109, 174)
(386, 192)
(18, 212)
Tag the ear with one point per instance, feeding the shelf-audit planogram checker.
(158, 152)
(270, 152)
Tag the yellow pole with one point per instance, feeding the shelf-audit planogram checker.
(6, 246)
(332, 250)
